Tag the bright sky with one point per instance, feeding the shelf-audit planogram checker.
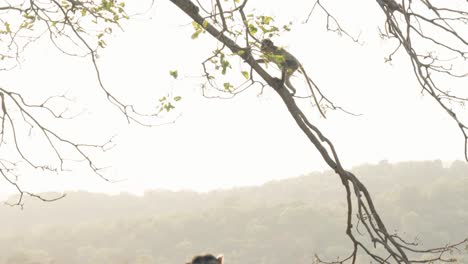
(247, 140)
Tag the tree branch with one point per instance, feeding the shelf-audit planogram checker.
(356, 193)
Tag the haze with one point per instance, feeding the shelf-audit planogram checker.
(250, 139)
(234, 176)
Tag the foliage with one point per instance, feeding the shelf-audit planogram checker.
(82, 23)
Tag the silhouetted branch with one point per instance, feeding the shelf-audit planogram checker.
(20, 119)
(436, 41)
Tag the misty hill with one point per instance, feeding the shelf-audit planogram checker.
(285, 221)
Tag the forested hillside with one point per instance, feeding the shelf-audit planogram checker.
(285, 221)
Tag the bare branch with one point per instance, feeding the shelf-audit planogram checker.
(442, 31)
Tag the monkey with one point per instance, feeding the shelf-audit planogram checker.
(285, 61)
(206, 259)
(288, 64)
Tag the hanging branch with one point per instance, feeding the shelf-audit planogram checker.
(436, 41)
(19, 118)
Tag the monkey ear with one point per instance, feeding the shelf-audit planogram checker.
(220, 259)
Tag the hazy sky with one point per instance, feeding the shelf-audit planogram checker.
(246, 140)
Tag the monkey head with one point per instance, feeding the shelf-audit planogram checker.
(267, 46)
(206, 259)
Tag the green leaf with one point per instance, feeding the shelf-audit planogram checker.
(266, 20)
(7, 27)
(174, 74)
(102, 43)
(252, 29)
(195, 35)
(177, 98)
(277, 59)
(245, 74)
(195, 25)
(228, 87)
(168, 107)
(225, 64)
(205, 24)
(83, 12)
